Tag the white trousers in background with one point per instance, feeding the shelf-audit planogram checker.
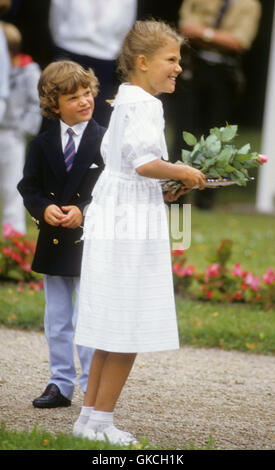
(12, 158)
(59, 322)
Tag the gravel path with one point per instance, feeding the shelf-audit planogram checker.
(176, 398)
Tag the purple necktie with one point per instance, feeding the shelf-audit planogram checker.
(69, 152)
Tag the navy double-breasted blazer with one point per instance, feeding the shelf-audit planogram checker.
(45, 181)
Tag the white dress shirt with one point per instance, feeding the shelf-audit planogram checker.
(78, 129)
(95, 28)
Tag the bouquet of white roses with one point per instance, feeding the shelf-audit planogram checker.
(218, 158)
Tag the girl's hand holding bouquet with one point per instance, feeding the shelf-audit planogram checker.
(218, 159)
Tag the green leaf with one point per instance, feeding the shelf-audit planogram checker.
(196, 147)
(213, 144)
(216, 131)
(242, 157)
(186, 156)
(202, 140)
(244, 149)
(237, 164)
(225, 156)
(228, 133)
(229, 168)
(199, 160)
(189, 138)
(221, 170)
(239, 178)
(208, 163)
(213, 173)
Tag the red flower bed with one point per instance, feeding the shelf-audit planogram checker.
(220, 283)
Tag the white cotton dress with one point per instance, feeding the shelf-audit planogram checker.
(126, 298)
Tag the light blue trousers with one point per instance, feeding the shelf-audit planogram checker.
(59, 323)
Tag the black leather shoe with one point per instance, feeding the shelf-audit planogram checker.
(51, 398)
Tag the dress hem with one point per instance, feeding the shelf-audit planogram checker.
(150, 349)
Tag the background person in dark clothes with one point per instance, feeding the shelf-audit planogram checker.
(219, 33)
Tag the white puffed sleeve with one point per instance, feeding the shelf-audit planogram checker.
(143, 139)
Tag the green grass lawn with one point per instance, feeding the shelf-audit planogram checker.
(228, 326)
(23, 310)
(252, 235)
(41, 440)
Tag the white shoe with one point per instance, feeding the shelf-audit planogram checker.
(89, 434)
(116, 436)
(78, 429)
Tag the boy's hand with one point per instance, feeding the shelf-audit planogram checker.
(53, 215)
(73, 217)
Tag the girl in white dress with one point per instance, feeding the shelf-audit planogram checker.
(126, 300)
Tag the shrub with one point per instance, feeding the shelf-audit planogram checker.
(16, 253)
(220, 283)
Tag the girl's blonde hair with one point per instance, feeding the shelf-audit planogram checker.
(60, 78)
(144, 38)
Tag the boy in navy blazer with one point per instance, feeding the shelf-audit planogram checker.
(62, 166)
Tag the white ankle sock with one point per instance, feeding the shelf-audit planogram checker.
(86, 410)
(99, 420)
(85, 414)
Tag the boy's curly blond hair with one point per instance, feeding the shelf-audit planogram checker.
(60, 78)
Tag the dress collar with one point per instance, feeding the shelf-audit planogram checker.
(128, 93)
